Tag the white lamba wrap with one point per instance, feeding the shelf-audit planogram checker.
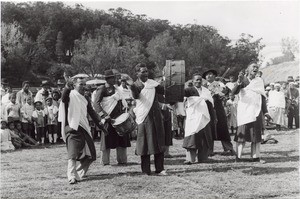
(109, 103)
(197, 115)
(249, 104)
(145, 101)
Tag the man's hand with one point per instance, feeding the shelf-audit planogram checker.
(241, 77)
(269, 118)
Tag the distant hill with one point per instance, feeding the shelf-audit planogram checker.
(280, 72)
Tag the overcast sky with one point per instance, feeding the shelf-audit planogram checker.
(271, 20)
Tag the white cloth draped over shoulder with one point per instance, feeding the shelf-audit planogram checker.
(109, 103)
(145, 100)
(197, 115)
(249, 104)
(77, 113)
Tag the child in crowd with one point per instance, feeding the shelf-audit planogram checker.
(13, 109)
(25, 138)
(26, 118)
(38, 116)
(231, 105)
(5, 138)
(51, 113)
(56, 98)
(16, 140)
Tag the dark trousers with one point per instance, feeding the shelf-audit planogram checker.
(293, 113)
(28, 129)
(158, 163)
(40, 133)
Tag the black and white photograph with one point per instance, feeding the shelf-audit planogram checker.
(150, 99)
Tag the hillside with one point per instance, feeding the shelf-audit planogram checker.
(280, 72)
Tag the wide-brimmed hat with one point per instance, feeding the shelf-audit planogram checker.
(109, 73)
(290, 79)
(45, 83)
(38, 101)
(49, 98)
(209, 71)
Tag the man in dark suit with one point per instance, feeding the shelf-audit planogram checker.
(150, 136)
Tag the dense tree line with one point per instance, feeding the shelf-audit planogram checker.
(41, 40)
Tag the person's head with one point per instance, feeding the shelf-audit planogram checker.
(252, 70)
(259, 74)
(25, 86)
(4, 83)
(29, 100)
(210, 75)
(12, 97)
(88, 91)
(277, 87)
(18, 125)
(49, 101)
(8, 89)
(197, 80)
(38, 105)
(79, 85)
(110, 77)
(45, 85)
(231, 78)
(11, 125)
(3, 124)
(284, 85)
(55, 95)
(272, 85)
(231, 96)
(142, 72)
(292, 85)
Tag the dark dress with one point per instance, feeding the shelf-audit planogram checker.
(204, 137)
(250, 132)
(151, 133)
(112, 140)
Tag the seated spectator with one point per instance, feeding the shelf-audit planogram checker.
(5, 138)
(16, 140)
(26, 138)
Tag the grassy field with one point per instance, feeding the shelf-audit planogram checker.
(41, 173)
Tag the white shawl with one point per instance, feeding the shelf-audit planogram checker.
(77, 113)
(145, 101)
(249, 104)
(109, 103)
(197, 115)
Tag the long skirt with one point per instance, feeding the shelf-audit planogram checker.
(250, 132)
(197, 140)
(277, 115)
(76, 141)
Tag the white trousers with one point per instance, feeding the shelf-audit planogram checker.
(78, 172)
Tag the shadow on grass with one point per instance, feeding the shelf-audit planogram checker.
(269, 170)
(111, 176)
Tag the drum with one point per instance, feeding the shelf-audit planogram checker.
(124, 124)
(174, 73)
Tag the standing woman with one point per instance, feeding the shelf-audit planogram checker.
(251, 108)
(219, 127)
(110, 104)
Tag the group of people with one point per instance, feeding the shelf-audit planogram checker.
(36, 116)
(209, 109)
